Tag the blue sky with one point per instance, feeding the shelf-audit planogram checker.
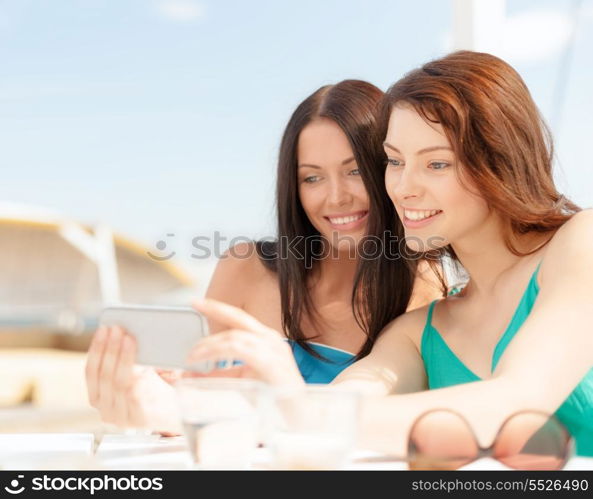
(165, 116)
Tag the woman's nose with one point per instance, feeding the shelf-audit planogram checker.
(407, 184)
(339, 195)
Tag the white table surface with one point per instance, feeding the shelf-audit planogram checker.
(152, 452)
(44, 450)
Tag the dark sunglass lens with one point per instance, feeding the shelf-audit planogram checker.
(532, 441)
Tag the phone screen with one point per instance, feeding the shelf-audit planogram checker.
(164, 335)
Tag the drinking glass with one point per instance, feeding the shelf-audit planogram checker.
(312, 427)
(222, 420)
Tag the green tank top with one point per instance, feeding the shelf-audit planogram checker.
(443, 368)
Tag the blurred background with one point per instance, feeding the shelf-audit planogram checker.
(129, 128)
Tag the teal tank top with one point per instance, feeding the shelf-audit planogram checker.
(444, 368)
(315, 370)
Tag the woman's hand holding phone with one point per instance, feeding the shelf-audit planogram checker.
(129, 395)
(125, 394)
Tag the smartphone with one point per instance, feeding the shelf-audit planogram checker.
(164, 335)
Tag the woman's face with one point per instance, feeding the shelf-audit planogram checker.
(331, 190)
(422, 178)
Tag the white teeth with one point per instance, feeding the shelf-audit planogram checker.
(419, 214)
(345, 220)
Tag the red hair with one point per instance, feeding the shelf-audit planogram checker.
(496, 132)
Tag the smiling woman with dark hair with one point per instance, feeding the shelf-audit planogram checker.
(309, 283)
(313, 209)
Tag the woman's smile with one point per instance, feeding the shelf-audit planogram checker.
(347, 221)
(416, 219)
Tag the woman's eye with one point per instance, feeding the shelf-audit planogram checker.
(355, 172)
(439, 165)
(311, 179)
(393, 162)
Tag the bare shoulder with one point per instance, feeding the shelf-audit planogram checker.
(570, 251)
(579, 227)
(409, 325)
(238, 270)
(243, 257)
(574, 238)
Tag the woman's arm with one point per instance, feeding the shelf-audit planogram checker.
(394, 365)
(548, 357)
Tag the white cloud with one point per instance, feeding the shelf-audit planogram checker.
(180, 10)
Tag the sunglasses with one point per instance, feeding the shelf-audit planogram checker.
(529, 440)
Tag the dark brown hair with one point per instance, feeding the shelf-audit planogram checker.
(497, 134)
(377, 297)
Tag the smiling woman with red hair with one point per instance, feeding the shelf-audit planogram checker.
(469, 172)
